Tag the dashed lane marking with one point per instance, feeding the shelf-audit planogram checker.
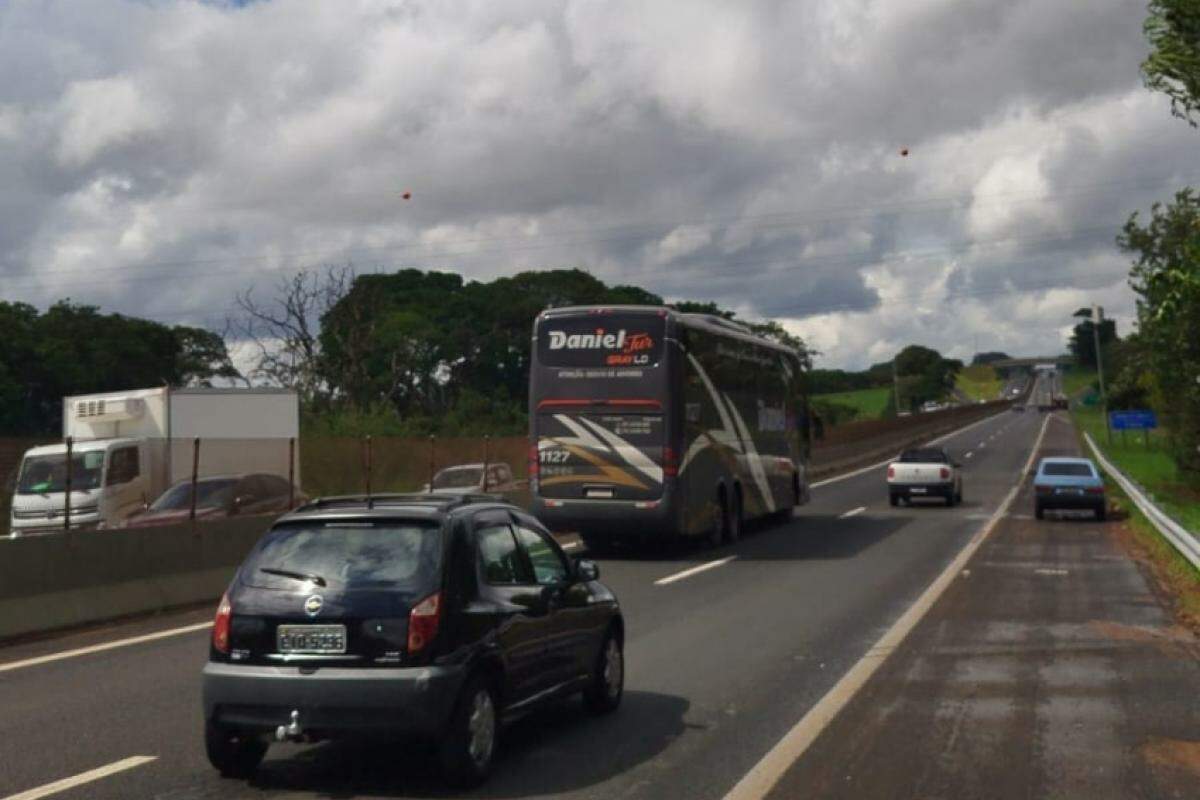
(853, 512)
(687, 573)
(82, 778)
(100, 648)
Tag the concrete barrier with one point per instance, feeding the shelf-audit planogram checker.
(62, 580)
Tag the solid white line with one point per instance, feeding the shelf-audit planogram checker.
(853, 512)
(99, 648)
(82, 778)
(881, 464)
(678, 576)
(759, 781)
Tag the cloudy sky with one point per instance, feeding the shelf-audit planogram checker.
(156, 157)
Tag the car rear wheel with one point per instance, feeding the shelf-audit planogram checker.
(603, 694)
(1039, 512)
(469, 746)
(232, 754)
(893, 499)
(1101, 514)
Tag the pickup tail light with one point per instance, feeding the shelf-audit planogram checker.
(891, 472)
(423, 622)
(534, 463)
(220, 632)
(945, 473)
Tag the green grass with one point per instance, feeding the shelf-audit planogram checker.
(979, 382)
(867, 403)
(1152, 468)
(1076, 380)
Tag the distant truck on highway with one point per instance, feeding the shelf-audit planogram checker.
(129, 447)
(924, 472)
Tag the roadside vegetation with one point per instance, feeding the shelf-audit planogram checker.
(979, 382)
(840, 407)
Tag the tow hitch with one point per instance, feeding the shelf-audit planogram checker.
(292, 731)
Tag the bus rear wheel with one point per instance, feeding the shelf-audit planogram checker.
(733, 529)
(717, 534)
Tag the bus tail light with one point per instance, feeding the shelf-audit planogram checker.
(670, 463)
(423, 622)
(220, 632)
(534, 455)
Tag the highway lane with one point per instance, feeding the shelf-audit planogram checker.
(720, 665)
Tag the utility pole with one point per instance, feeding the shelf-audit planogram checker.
(1097, 318)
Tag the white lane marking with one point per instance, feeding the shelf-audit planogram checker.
(881, 464)
(761, 779)
(969, 454)
(82, 778)
(1056, 572)
(853, 512)
(981, 445)
(99, 648)
(687, 573)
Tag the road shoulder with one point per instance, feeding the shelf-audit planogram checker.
(1051, 668)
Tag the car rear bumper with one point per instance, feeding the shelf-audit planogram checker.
(331, 701)
(1071, 502)
(919, 490)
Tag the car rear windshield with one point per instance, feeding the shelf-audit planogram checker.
(1070, 470)
(403, 556)
(923, 456)
(209, 494)
(459, 477)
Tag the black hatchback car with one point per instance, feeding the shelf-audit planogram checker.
(435, 616)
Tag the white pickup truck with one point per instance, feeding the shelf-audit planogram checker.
(924, 472)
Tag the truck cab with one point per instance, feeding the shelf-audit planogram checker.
(108, 483)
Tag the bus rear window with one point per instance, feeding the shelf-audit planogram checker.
(601, 340)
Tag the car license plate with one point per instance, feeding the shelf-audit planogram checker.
(917, 490)
(1070, 491)
(310, 639)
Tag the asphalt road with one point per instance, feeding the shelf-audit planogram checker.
(720, 665)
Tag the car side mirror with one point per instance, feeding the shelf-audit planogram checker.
(587, 570)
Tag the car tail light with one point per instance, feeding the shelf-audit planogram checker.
(1041, 488)
(1095, 490)
(945, 473)
(423, 622)
(220, 633)
(670, 463)
(891, 472)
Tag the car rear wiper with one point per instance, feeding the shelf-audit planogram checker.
(300, 576)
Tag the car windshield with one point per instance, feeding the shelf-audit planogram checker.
(1069, 470)
(209, 494)
(404, 556)
(48, 473)
(923, 456)
(459, 477)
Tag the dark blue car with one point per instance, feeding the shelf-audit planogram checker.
(1068, 484)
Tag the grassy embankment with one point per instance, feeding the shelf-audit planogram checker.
(979, 382)
(867, 403)
(1155, 471)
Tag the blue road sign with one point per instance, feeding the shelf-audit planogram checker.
(1132, 420)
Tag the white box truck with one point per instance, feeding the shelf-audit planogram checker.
(129, 447)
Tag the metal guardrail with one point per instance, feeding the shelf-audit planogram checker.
(1172, 531)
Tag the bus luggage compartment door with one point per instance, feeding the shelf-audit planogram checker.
(600, 456)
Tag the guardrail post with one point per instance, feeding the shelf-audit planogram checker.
(292, 472)
(367, 456)
(486, 454)
(67, 486)
(195, 477)
(432, 460)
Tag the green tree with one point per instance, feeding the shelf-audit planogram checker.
(1173, 66)
(1082, 343)
(1166, 278)
(924, 375)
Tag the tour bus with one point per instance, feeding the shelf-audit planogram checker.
(647, 423)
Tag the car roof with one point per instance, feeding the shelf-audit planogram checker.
(432, 507)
